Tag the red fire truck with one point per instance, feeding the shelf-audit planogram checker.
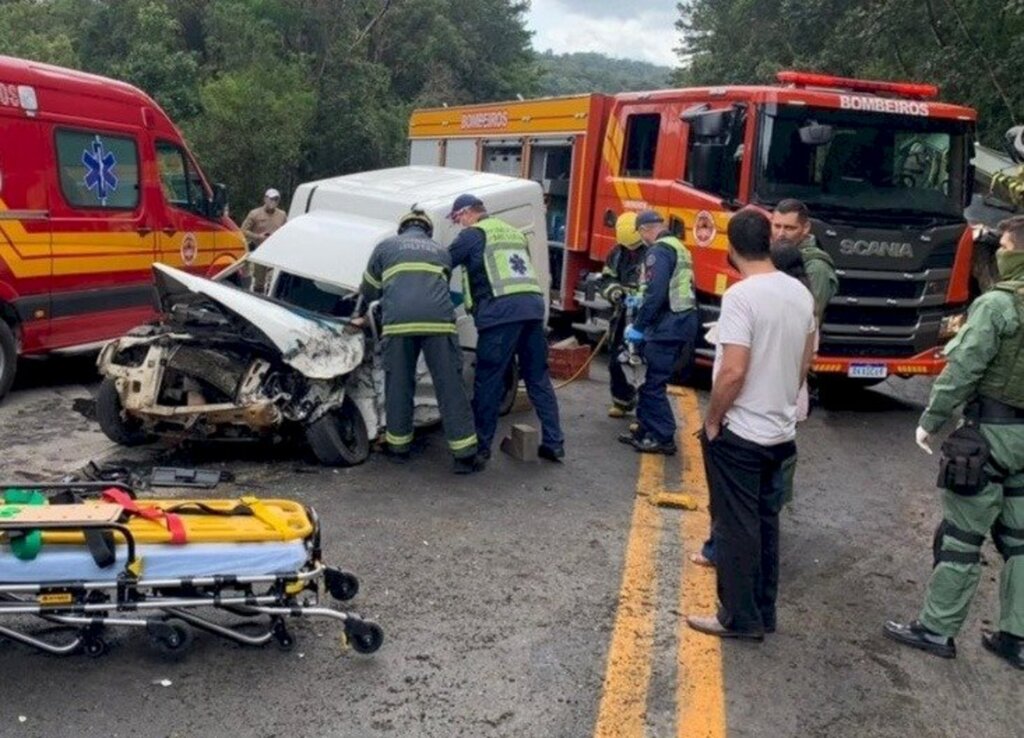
(885, 170)
(96, 184)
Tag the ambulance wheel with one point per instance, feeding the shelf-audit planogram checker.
(8, 358)
(113, 422)
(339, 438)
(511, 388)
(172, 638)
(365, 636)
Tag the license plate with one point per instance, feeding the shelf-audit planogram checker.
(867, 371)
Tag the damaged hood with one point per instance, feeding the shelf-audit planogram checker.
(317, 347)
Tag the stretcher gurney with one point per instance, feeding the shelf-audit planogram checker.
(88, 556)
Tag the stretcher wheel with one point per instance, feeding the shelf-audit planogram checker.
(172, 637)
(285, 640)
(341, 584)
(365, 636)
(94, 647)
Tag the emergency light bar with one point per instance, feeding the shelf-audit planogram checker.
(902, 89)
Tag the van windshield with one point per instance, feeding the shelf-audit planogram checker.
(846, 160)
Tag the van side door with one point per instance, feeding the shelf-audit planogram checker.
(185, 232)
(102, 236)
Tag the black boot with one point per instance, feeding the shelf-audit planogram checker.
(470, 464)
(648, 445)
(1008, 647)
(551, 453)
(917, 636)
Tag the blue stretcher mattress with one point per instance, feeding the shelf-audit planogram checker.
(61, 563)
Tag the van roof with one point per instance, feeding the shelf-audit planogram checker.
(39, 75)
(426, 187)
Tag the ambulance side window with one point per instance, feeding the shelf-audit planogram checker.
(98, 170)
(181, 185)
(641, 145)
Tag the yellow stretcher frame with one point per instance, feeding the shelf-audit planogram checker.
(272, 520)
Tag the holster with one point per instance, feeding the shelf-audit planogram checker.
(962, 463)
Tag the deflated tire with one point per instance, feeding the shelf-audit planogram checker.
(339, 438)
(117, 426)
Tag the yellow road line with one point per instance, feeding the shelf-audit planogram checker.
(700, 693)
(628, 672)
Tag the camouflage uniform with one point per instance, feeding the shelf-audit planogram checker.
(986, 364)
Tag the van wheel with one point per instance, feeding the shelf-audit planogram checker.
(511, 388)
(339, 438)
(8, 358)
(114, 423)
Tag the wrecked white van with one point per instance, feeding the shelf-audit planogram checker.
(228, 362)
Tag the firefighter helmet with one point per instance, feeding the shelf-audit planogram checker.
(416, 217)
(625, 230)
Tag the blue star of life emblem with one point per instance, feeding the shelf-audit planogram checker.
(99, 170)
(517, 264)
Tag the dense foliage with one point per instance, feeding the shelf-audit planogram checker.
(275, 92)
(971, 48)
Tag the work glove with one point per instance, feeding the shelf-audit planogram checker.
(633, 335)
(614, 293)
(924, 439)
(633, 301)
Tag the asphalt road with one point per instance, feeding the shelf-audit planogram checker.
(506, 608)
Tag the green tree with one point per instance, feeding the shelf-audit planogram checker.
(252, 129)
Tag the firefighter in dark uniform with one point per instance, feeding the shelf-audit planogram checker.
(409, 274)
(982, 468)
(620, 279)
(506, 300)
(666, 325)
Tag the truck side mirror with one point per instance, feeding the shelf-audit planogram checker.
(816, 134)
(219, 201)
(704, 123)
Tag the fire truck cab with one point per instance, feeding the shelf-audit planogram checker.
(884, 169)
(96, 184)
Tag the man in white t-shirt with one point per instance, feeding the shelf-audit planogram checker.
(765, 344)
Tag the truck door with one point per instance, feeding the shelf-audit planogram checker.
(185, 234)
(641, 156)
(102, 237)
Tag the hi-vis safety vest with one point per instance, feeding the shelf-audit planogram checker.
(680, 288)
(506, 261)
(1004, 378)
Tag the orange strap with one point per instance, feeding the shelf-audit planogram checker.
(173, 522)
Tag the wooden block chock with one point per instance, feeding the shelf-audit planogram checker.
(522, 442)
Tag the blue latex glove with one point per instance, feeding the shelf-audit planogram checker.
(632, 335)
(633, 301)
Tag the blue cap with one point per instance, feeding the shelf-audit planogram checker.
(465, 201)
(648, 217)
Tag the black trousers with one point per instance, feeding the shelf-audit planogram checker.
(746, 486)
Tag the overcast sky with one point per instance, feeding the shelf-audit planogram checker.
(636, 29)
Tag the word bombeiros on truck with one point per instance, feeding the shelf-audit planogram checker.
(885, 170)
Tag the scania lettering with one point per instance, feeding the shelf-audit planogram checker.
(876, 248)
(883, 167)
(96, 184)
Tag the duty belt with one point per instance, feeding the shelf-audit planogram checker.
(987, 410)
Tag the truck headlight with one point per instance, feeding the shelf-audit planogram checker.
(950, 325)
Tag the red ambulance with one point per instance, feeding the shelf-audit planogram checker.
(96, 184)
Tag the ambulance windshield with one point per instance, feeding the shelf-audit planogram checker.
(846, 161)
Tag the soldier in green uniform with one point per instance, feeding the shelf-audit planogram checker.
(791, 222)
(982, 467)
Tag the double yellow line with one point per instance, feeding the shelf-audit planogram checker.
(700, 697)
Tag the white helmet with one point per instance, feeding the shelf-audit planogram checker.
(1015, 143)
